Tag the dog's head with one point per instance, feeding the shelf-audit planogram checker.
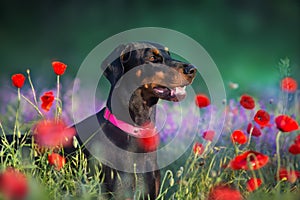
(156, 72)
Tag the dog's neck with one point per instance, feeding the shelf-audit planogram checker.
(140, 110)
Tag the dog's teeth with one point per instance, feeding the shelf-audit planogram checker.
(180, 91)
(173, 92)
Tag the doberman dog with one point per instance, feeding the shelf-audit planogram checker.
(140, 73)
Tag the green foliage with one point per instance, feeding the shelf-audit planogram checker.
(191, 179)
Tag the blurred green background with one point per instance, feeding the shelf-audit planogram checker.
(246, 39)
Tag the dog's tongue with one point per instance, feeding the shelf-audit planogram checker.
(178, 91)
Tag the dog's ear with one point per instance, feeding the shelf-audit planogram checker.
(113, 65)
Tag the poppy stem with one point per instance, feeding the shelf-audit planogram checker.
(34, 106)
(278, 153)
(210, 166)
(32, 88)
(236, 149)
(250, 136)
(2, 129)
(57, 110)
(16, 126)
(168, 172)
(3, 132)
(284, 102)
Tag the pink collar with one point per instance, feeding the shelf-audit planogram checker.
(128, 128)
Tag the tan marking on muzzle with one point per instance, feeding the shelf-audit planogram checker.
(160, 75)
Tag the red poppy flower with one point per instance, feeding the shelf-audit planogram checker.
(262, 118)
(253, 184)
(295, 148)
(256, 161)
(239, 137)
(56, 160)
(255, 131)
(289, 84)
(209, 135)
(13, 184)
(289, 175)
(53, 133)
(247, 102)
(297, 139)
(202, 100)
(47, 100)
(198, 148)
(150, 138)
(224, 193)
(59, 67)
(286, 123)
(151, 143)
(18, 80)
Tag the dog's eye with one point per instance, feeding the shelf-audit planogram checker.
(152, 58)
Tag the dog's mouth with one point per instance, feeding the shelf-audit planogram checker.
(171, 94)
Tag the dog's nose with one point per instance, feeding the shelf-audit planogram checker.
(189, 69)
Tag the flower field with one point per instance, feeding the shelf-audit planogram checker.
(256, 156)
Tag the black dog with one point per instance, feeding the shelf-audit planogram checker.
(122, 135)
(140, 74)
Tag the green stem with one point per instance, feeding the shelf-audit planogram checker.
(278, 153)
(250, 135)
(16, 127)
(251, 167)
(135, 175)
(206, 147)
(3, 132)
(34, 106)
(210, 166)
(261, 176)
(236, 149)
(2, 129)
(164, 179)
(32, 88)
(57, 99)
(195, 157)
